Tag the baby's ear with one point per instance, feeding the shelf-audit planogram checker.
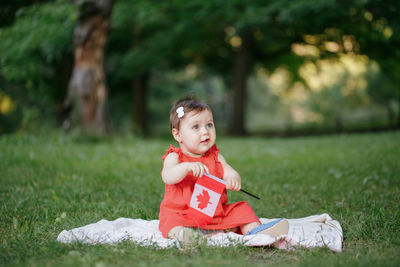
(176, 135)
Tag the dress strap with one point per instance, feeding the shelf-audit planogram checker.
(172, 149)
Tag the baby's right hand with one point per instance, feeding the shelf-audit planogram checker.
(197, 168)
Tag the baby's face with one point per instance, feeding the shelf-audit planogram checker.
(197, 133)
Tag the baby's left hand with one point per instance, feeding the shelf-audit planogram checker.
(231, 177)
(233, 183)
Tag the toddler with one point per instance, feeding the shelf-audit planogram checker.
(192, 126)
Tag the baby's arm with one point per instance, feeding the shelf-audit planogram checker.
(173, 172)
(231, 177)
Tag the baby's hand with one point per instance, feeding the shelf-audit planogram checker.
(233, 183)
(197, 168)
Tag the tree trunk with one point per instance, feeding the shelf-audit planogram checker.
(140, 84)
(241, 71)
(64, 71)
(397, 98)
(398, 120)
(87, 92)
(391, 114)
(338, 124)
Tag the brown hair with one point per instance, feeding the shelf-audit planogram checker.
(189, 104)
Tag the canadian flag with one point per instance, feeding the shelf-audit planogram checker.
(206, 195)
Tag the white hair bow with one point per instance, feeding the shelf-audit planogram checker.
(180, 112)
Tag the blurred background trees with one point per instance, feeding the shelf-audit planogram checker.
(282, 67)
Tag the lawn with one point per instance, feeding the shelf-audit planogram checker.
(55, 182)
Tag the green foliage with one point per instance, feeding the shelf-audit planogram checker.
(8, 10)
(38, 38)
(378, 31)
(157, 38)
(54, 182)
(35, 52)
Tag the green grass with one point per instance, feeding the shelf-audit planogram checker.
(55, 182)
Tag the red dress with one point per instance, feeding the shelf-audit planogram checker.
(177, 197)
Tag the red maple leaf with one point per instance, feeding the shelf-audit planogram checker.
(203, 199)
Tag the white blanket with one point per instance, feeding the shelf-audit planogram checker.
(313, 231)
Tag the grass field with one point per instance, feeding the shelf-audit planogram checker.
(55, 182)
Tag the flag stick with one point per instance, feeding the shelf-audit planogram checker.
(250, 194)
(222, 181)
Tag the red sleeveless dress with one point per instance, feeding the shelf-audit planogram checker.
(175, 204)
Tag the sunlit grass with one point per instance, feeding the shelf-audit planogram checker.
(55, 182)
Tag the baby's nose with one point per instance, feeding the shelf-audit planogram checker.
(204, 130)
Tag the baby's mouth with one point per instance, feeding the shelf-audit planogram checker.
(205, 141)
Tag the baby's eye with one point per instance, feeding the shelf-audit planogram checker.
(195, 127)
(209, 125)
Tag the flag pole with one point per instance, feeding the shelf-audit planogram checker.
(250, 194)
(222, 181)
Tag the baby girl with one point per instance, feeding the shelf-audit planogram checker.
(192, 126)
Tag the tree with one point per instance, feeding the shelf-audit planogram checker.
(142, 41)
(87, 87)
(379, 39)
(35, 52)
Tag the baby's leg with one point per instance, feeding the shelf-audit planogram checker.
(186, 236)
(248, 227)
(173, 233)
(274, 229)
